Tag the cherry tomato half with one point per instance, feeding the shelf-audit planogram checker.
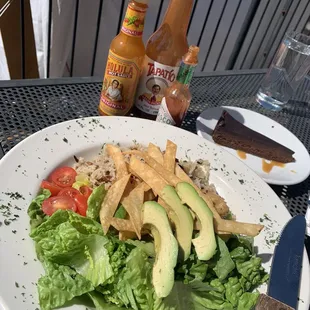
(52, 204)
(81, 203)
(86, 191)
(63, 176)
(69, 192)
(54, 189)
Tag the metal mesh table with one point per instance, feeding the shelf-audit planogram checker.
(30, 105)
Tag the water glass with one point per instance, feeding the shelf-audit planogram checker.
(289, 66)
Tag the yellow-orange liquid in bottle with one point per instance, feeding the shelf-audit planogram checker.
(164, 51)
(124, 63)
(177, 97)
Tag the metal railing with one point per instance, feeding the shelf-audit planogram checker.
(233, 43)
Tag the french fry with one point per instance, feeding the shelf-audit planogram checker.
(168, 163)
(133, 152)
(238, 227)
(147, 174)
(148, 192)
(122, 224)
(133, 205)
(154, 151)
(145, 187)
(170, 155)
(119, 161)
(111, 201)
(169, 176)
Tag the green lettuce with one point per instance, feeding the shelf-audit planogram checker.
(83, 224)
(252, 270)
(233, 290)
(223, 262)
(101, 304)
(60, 285)
(192, 269)
(246, 242)
(37, 216)
(94, 202)
(120, 212)
(240, 254)
(247, 301)
(87, 254)
(133, 285)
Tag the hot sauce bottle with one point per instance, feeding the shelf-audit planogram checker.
(177, 98)
(164, 51)
(124, 63)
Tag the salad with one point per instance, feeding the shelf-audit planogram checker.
(138, 229)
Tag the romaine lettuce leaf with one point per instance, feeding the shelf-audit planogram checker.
(246, 242)
(133, 286)
(101, 304)
(59, 285)
(83, 224)
(233, 290)
(223, 262)
(252, 270)
(247, 301)
(94, 202)
(240, 254)
(210, 301)
(120, 212)
(192, 269)
(87, 254)
(37, 216)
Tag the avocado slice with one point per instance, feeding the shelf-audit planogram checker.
(166, 247)
(205, 243)
(182, 220)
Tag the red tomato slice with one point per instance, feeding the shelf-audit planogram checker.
(54, 189)
(81, 203)
(52, 204)
(64, 176)
(86, 191)
(69, 192)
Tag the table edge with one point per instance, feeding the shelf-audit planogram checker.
(97, 79)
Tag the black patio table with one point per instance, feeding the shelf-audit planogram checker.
(30, 105)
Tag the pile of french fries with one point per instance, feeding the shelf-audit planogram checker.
(152, 171)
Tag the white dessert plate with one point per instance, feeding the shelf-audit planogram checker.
(288, 174)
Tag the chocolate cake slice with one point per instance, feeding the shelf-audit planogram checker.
(231, 133)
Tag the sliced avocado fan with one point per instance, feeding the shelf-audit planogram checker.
(166, 248)
(205, 243)
(182, 220)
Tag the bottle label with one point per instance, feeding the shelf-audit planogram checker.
(154, 80)
(119, 85)
(186, 73)
(133, 23)
(164, 115)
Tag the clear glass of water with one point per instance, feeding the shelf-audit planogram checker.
(289, 66)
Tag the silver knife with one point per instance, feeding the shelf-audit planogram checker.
(285, 271)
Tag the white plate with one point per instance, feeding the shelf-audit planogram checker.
(291, 173)
(23, 168)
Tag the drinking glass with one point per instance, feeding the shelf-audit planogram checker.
(289, 66)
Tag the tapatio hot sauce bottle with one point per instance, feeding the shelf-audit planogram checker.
(164, 51)
(124, 63)
(177, 98)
